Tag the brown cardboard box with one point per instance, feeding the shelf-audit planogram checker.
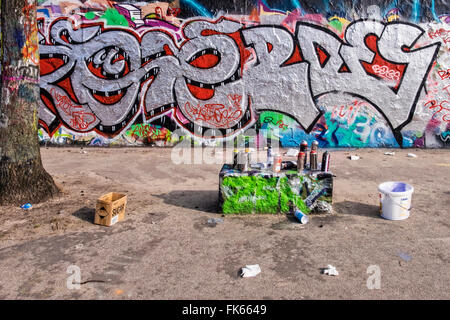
(110, 209)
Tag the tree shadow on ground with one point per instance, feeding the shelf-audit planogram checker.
(200, 200)
(85, 214)
(358, 209)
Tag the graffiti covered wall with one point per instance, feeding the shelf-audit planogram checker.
(346, 73)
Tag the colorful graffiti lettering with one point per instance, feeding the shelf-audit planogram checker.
(441, 109)
(444, 74)
(442, 34)
(149, 133)
(105, 70)
(108, 66)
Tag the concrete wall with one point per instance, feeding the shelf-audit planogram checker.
(345, 73)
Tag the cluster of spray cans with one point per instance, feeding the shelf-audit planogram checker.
(302, 164)
(242, 159)
(302, 158)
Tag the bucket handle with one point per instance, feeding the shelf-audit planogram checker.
(388, 195)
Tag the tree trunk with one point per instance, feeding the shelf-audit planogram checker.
(22, 176)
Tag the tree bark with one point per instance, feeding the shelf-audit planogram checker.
(22, 177)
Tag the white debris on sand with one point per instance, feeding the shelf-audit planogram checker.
(250, 270)
(389, 153)
(291, 153)
(412, 155)
(354, 157)
(330, 270)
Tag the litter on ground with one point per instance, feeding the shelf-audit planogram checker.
(250, 270)
(291, 153)
(214, 221)
(26, 206)
(330, 270)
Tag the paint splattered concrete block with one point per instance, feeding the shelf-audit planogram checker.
(264, 191)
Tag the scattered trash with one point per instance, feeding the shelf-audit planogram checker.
(412, 155)
(79, 246)
(330, 270)
(212, 222)
(303, 218)
(83, 151)
(389, 153)
(354, 157)
(26, 206)
(323, 206)
(291, 153)
(250, 271)
(62, 211)
(406, 257)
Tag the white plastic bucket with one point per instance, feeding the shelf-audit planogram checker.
(395, 200)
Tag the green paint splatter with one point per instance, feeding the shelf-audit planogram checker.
(257, 194)
(114, 18)
(90, 15)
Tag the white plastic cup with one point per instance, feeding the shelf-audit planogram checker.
(395, 200)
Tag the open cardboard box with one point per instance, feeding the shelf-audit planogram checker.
(110, 209)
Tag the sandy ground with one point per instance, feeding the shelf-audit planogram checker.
(165, 249)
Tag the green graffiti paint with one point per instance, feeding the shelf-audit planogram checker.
(90, 15)
(247, 194)
(114, 18)
(241, 193)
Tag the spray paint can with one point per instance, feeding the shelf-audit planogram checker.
(277, 163)
(235, 157)
(301, 161)
(304, 149)
(303, 146)
(313, 156)
(313, 160)
(326, 161)
(303, 218)
(315, 145)
(269, 157)
(242, 161)
(248, 157)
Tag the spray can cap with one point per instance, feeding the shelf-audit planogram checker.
(303, 145)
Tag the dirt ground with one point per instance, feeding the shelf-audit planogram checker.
(165, 249)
